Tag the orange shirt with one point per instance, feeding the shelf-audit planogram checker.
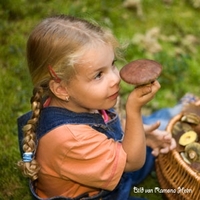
(76, 159)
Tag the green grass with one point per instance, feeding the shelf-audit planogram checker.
(179, 57)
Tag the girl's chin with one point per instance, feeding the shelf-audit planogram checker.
(107, 106)
(111, 105)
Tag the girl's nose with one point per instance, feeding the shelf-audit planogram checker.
(115, 79)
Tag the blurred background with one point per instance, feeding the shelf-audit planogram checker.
(167, 31)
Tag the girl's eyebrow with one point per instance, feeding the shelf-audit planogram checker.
(103, 67)
(100, 68)
(93, 72)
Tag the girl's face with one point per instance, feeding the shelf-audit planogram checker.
(96, 84)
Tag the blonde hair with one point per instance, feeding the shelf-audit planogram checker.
(58, 42)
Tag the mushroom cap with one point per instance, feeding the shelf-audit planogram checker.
(141, 72)
(192, 151)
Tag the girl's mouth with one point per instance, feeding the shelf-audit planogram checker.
(114, 96)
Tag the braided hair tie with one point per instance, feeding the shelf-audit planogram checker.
(28, 156)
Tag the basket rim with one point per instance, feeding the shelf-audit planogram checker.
(176, 154)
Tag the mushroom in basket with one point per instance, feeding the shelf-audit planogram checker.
(192, 151)
(188, 137)
(192, 154)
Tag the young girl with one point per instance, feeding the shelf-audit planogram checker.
(73, 146)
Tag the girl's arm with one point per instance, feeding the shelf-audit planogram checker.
(134, 142)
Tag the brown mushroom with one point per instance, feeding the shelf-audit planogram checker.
(141, 72)
(191, 118)
(192, 151)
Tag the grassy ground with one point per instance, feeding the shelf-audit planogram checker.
(167, 32)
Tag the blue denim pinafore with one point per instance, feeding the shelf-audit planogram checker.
(52, 117)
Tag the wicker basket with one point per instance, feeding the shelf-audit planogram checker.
(175, 174)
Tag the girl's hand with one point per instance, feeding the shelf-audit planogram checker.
(159, 141)
(142, 95)
(197, 103)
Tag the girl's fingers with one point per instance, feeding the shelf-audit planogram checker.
(173, 144)
(164, 150)
(155, 152)
(152, 127)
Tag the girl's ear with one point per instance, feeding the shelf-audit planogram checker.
(58, 90)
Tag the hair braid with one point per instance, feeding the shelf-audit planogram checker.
(31, 168)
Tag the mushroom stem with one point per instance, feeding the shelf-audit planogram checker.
(145, 84)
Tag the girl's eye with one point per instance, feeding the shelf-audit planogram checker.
(98, 76)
